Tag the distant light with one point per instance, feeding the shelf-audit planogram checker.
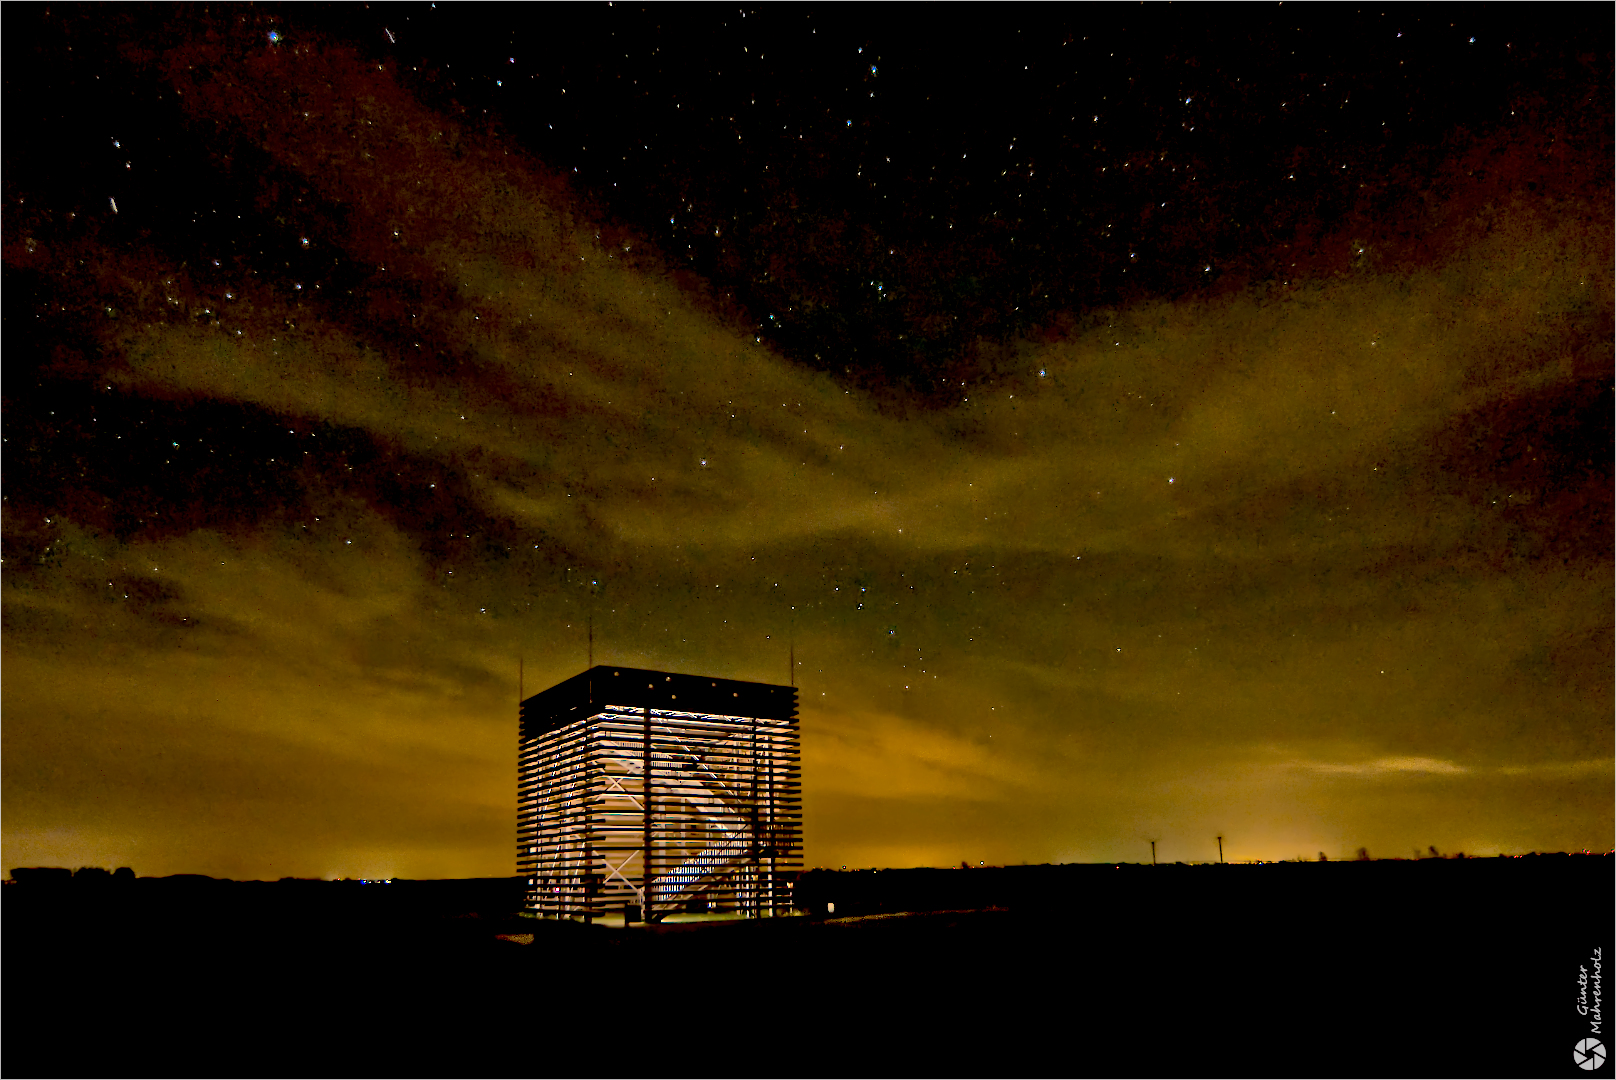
(274, 36)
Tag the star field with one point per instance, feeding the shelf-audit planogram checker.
(1135, 426)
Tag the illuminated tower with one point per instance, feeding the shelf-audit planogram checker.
(649, 793)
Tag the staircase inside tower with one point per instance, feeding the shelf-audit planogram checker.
(719, 815)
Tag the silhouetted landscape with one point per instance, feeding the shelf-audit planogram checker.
(1445, 967)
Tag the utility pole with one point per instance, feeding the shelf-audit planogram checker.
(1153, 853)
(1220, 849)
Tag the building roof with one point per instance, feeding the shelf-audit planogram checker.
(590, 691)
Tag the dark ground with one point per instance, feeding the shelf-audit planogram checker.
(1430, 968)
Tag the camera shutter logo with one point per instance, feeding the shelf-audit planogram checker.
(1589, 1053)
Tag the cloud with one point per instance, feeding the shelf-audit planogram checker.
(1380, 767)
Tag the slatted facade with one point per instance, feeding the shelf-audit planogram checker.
(649, 793)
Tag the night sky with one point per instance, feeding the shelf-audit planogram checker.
(1143, 423)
